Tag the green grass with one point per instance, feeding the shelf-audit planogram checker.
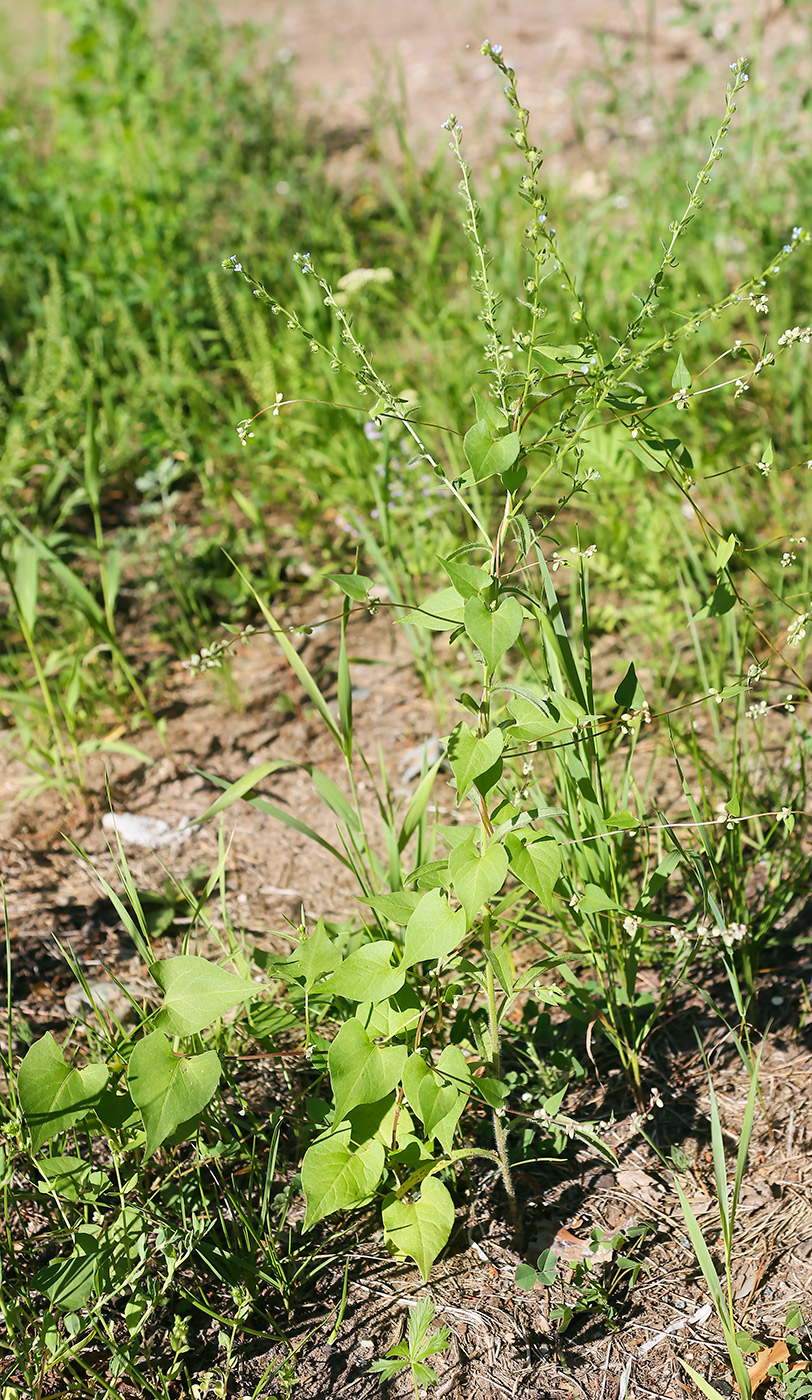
(128, 358)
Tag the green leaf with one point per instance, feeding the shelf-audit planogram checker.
(493, 631)
(360, 1071)
(25, 584)
(196, 992)
(470, 757)
(438, 1097)
(440, 612)
(721, 601)
(168, 1089)
(53, 1096)
(489, 413)
(468, 579)
(386, 1019)
(475, 878)
(531, 724)
(356, 586)
(724, 552)
(596, 901)
(367, 974)
(487, 455)
(537, 863)
(681, 379)
(397, 906)
(630, 694)
(525, 1277)
(419, 1229)
(69, 1281)
(334, 1177)
(315, 957)
(434, 930)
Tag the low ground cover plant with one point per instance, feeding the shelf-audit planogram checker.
(564, 877)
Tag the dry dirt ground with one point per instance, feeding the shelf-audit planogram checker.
(502, 1342)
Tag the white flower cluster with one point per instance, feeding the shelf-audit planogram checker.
(729, 936)
(211, 658)
(803, 334)
(681, 399)
(797, 629)
(558, 561)
(759, 303)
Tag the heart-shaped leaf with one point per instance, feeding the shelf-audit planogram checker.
(468, 579)
(196, 992)
(315, 957)
(169, 1089)
(495, 630)
(68, 1282)
(475, 878)
(470, 757)
(419, 1229)
(486, 454)
(433, 931)
(334, 1177)
(439, 1096)
(360, 1071)
(537, 863)
(367, 974)
(53, 1096)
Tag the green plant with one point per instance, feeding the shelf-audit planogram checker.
(413, 1354)
(727, 1193)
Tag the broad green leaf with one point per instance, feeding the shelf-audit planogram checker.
(169, 1089)
(440, 612)
(73, 1178)
(68, 1282)
(379, 1120)
(488, 412)
(475, 878)
(724, 552)
(397, 906)
(495, 630)
(315, 957)
(335, 1177)
(531, 724)
(439, 1096)
(419, 1229)
(630, 694)
(537, 863)
(721, 601)
(360, 1071)
(487, 455)
(53, 1096)
(386, 1019)
(597, 901)
(434, 930)
(356, 586)
(367, 974)
(468, 579)
(196, 992)
(470, 757)
(681, 378)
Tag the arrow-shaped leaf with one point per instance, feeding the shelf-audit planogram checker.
(360, 1070)
(419, 1229)
(334, 1177)
(196, 992)
(475, 878)
(433, 931)
(54, 1096)
(168, 1089)
(493, 630)
(470, 757)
